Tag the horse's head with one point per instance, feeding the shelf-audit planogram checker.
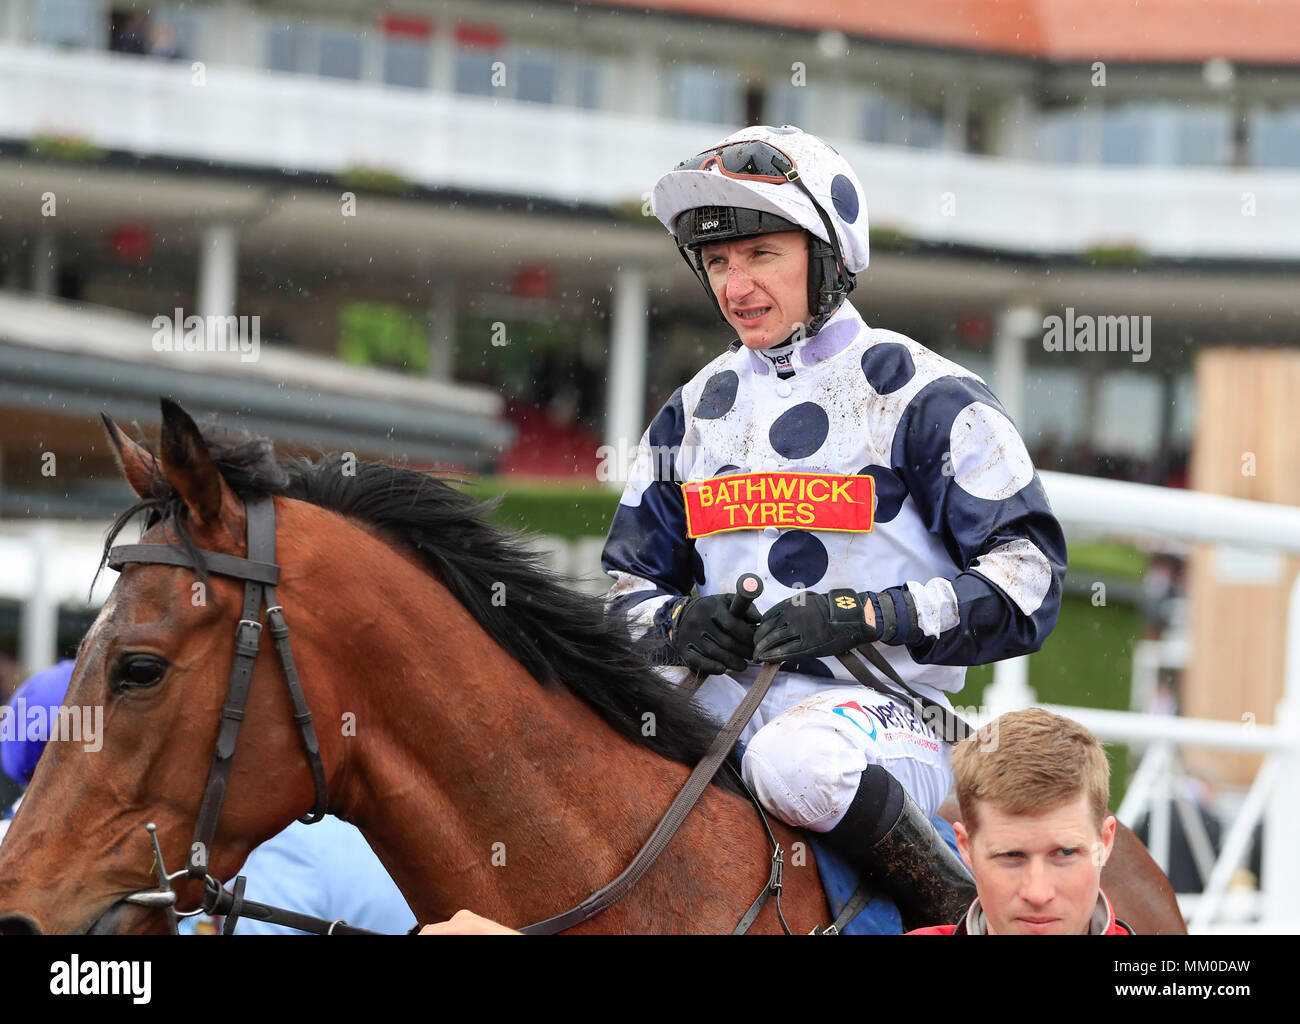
(155, 666)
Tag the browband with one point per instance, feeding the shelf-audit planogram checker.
(266, 573)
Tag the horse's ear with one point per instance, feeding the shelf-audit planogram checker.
(190, 469)
(137, 465)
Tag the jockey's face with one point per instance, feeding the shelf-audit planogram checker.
(1037, 874)
(761, 285)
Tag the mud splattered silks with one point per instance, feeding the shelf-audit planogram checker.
(960, 537)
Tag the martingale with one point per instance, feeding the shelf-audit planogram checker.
(755, 501)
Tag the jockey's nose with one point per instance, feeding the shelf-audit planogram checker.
(739, 283)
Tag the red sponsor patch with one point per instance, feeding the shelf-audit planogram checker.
(801, 501)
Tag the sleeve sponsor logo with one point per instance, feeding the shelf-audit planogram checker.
(803, 501)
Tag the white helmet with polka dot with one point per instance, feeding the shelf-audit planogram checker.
(705, 199)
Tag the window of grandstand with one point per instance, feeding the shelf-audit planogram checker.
(1275, 137)
(1202, 136)
(1124, 132)
(1166, 134)
(535, 76)
(72, 23)
(899, 121)
(1066, 134)
(406, 40)
(340, 52)
(1128, 414)
(587, 90)
(705, 94)
(785, 104)
(175, 33)
(330, 50)
(406, 62)
(282, 44)
(478, 47)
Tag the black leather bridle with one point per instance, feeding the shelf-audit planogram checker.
(260, 574)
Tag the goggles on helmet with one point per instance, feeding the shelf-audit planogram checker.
(753, 160)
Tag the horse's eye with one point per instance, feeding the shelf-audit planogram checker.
(138, 672)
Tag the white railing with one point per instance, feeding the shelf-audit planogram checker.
(251, 117)
(1135, 510)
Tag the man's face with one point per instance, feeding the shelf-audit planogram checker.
(1037, 874)
(761, 285)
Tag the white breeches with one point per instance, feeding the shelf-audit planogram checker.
(811, 738)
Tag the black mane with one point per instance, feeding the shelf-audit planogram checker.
(560, 635)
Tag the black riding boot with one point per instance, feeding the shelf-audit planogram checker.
(886, 835)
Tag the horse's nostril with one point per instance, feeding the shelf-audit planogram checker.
(18, 924)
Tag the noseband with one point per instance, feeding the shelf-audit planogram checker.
(260, 574)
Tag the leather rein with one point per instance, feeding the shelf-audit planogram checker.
(260, 574)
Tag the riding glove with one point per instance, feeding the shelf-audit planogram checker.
(708, 637)
(813, 625)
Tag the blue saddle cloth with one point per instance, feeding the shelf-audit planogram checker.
(840, 880)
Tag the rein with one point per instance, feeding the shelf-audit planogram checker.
(260, 574)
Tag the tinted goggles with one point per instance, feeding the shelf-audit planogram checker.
(747, 160)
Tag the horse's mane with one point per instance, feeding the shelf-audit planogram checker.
(560, 635)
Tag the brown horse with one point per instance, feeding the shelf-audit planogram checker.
(494, 736)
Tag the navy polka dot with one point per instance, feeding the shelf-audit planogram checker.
(697, 566)
(797, 558)
(845, 198)
(724, 470)
(808, 666)
(888, 367)
(890, 491)
(719, 395)
(800, 431)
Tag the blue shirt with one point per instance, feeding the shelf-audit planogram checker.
(326, 870)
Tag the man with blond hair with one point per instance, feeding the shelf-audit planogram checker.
(1033, 790)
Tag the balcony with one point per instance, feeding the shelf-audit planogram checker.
(251, 118)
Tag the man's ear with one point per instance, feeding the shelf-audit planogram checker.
(1107, 838)
(140, 468)
(963, 843)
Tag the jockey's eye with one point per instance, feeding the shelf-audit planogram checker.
(137, 672)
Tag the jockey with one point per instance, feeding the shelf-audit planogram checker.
(880, 492)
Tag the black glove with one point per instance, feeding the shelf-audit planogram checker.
(813, 625)
(708, 637)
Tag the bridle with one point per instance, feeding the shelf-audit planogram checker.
(260, 574)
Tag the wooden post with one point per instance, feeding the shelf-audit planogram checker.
(1247, 445)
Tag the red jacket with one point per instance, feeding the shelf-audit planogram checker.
(1114, 926)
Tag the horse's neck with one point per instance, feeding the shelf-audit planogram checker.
(480, 788)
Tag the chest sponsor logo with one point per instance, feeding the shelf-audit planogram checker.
(803, 501)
